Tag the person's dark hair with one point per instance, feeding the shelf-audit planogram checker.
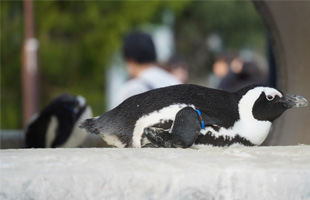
(139, 47)
(176, 61)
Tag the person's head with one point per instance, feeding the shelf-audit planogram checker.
(138, 51)
(178, 67)
(222, 64)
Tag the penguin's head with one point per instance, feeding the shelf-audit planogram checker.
(267, 104)
(66, 106)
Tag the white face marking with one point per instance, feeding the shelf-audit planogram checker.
(271, 94)
(247, 101)
(167, 113)
(51, 131)
(78, 136)
(81, 100)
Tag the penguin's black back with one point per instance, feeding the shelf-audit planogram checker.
(217, 104)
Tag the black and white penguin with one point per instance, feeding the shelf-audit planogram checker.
(191, 116)
(57, 124)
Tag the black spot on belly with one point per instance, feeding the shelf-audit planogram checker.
(216, 128)
(221, 141)
(164, 124)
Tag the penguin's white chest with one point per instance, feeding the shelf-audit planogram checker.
(251, 130)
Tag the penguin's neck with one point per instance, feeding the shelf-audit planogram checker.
(247, 126)
(252, 130)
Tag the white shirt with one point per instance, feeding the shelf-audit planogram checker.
(150, 78)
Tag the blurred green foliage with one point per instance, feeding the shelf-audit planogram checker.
(77, 39)
(236, 22)
(11, 42)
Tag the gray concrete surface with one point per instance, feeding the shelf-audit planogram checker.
(211, 173)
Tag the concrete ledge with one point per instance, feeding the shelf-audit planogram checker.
(211, 173)
(13, 139)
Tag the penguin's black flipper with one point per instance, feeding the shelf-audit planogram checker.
(184, 132)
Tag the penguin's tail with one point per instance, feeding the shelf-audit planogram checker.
(90, 126)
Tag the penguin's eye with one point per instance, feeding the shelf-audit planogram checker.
(270, 97)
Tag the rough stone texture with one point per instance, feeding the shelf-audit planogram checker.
(288, 25)
(211, 173)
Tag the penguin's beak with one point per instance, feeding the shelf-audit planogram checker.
(290, 101)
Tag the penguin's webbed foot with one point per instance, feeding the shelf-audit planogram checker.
(160, 137)
(184, 132)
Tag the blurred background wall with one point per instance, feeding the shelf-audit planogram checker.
(289, 31)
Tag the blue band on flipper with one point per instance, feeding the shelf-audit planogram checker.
(201, 120)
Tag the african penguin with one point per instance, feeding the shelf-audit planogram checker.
(193, 116)
(57, 124)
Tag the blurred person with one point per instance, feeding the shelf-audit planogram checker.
(242, 73)
(177, 67)
(220, 69)
(140, 58)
